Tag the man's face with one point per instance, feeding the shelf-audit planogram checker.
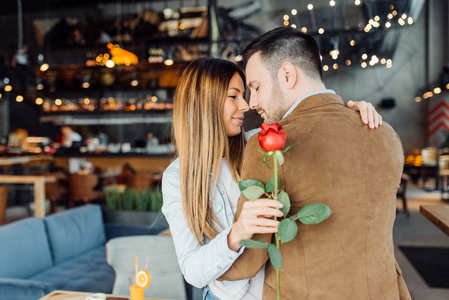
(266, 94)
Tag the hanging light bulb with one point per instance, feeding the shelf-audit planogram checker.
(134, 81)
(39, 101)
(19, 98)
(437, 90)
(169, 59)
(335, 52)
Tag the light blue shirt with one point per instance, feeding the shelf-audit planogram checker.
(201, 264)
(252, 132)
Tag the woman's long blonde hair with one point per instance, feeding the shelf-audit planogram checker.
(201, 139)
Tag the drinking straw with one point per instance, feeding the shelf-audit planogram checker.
(137, 260)
(146, 264)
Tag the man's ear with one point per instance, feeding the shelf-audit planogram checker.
(288, 75)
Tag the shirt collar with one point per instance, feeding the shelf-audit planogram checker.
(325, 91)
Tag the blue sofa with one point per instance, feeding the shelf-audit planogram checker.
(64, 251)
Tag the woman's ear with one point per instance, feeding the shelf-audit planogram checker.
(288, 75)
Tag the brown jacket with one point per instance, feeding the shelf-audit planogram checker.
(354, 170)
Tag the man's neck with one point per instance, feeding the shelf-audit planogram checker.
(303, 90)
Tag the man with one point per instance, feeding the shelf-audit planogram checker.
(337, 161)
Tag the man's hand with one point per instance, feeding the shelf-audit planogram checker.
(367, 111)
(255, 217)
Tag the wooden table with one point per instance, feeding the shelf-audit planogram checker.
(438, 215)
(69, 295)
(39, 189)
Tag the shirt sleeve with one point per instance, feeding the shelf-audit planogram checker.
(252, 260)
(200, 264)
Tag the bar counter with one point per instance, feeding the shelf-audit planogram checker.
(140, 162)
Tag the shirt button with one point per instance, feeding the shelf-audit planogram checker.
(222, 192)
(230, 258)
(229, 213)
(218, 267)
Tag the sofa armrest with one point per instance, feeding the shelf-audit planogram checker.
(13, 289)
(118, 230)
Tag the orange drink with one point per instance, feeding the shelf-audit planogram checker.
(136, 292)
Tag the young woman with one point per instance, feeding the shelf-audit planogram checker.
(199, 188)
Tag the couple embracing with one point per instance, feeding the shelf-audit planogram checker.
(344, 157)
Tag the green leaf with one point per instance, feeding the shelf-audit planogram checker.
(266, 161)
(313, 213)
(285, 200)
(270, 184)
(250, 182)
(275, 256)
(253, 244)
(280, 157)
(286, 149)
(253, 192)
(287, 230)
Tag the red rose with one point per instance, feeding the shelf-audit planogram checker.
(272, 137)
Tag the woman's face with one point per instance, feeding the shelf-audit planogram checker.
(235, 106)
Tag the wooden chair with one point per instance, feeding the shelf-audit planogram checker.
(3, 203)
(401, 193)
(81, 188)
(139, 181)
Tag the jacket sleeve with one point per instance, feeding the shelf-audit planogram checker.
(252, 260)
(200, 264)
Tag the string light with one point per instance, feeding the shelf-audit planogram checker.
(427, 95)
(348, 62)
(394, 13)
(304, 29)
(410, 20)
(19, 98)
(58, 102)
(437, 90)
(383, 61)
(388, 24)
(325, 68)
(294, 12)
(447, 86)
(86, 101)
(293, 25)
(364, 65)
(335, 66)
(44, 67)
(404, 16)
(286, 23)
(39, 101)
(8, 88)
(377, 18)
(418, 99)
(364, 56)
(321, 31)
(352, 43)
(286, 17)
(390, 16)
(357, 2)
(332, 3)
(310, 6)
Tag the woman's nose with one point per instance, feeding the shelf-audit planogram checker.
(244, 106)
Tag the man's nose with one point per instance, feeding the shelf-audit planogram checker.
(253, 103)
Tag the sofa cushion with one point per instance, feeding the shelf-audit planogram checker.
(24, 249)
(75, 231)
(88, 272)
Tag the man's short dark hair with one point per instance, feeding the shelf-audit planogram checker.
(286, 44)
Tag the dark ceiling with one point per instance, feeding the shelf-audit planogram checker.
(68, 32)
